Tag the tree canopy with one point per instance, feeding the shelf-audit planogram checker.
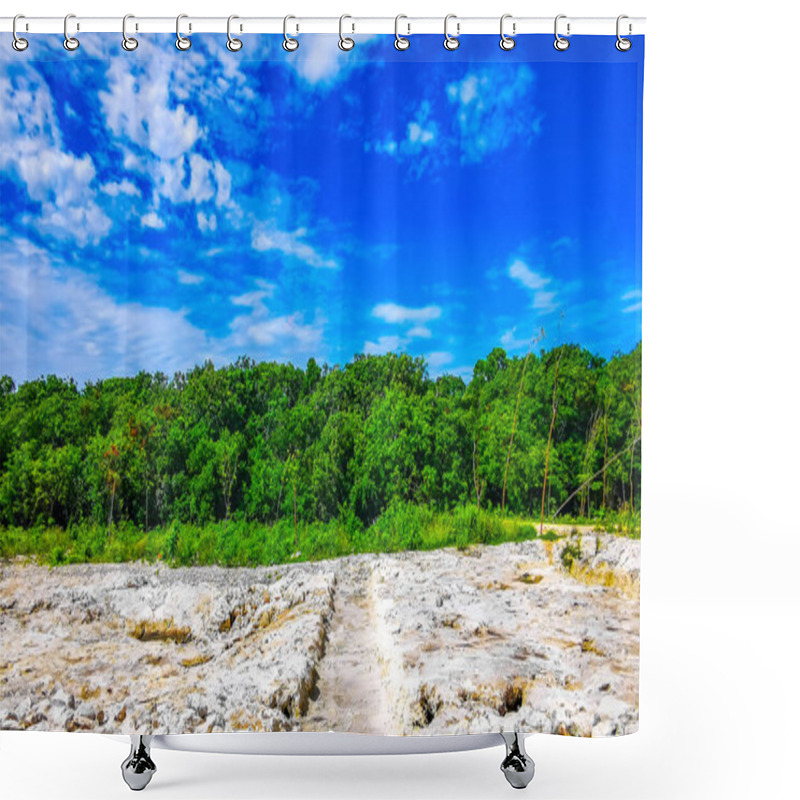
(265, 442)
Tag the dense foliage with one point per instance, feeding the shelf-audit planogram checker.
(270, 445)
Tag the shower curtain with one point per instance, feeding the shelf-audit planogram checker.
(320, 404)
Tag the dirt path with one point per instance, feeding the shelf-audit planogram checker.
(350, 688)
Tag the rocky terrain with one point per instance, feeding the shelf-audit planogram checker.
(531, 636)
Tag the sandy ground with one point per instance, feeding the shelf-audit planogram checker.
(486, 639)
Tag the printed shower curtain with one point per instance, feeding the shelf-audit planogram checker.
(321, 394)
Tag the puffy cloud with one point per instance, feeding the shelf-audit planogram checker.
(420, 332)
(438, 359)
(206, 222)
(267, 237)
(56, 319)
(189, 278)
(395, 313)
(152, 220)
(486, 111)
(32, 152)
(544, 302)
(493, 109)
(124, 187)
(138, 107)
(521, 272)
(384, 344)
(286, 336)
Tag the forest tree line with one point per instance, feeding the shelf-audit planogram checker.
(544, 433)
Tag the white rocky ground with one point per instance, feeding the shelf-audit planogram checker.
(491, 638)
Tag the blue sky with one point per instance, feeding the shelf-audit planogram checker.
(159, 208)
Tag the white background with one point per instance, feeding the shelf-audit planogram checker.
(720, 715)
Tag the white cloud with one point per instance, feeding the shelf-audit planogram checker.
(421, 135)
(544, 302)
(158, 135)
(287, 336)
(418, 134)
(32, 151)
(420, 332)
(384, 344)
(250, 299)
(438, 359)
(493, 109)
(223, 181)
(152, 220)
(290, 243)
(510, 341)
(634, 295)
(138, 107)
(487, 110)
(321, 62)
(278, 329)
(189, 278)
(125, 187)
(56, 319)
(206, 223)
(269, 288)
(520, 271)
(394, 313)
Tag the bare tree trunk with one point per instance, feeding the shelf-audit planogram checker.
(513, 430)
(550, 439)
(294, 499)
(111, 504)
(605, 456)
(479, 487)
(630, 478)
(605, 467)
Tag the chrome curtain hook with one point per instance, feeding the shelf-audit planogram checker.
(70, 42)
(233, 44)
(128, 42)
(18, 43)
(181, 42)
(506, 42)
(622, 44)
(401, 42)
(289, 44)
(451, 42)
(345, 43)
(561, 43)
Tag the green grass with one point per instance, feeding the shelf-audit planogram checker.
(241, 543)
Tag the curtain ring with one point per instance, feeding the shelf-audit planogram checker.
(181, 42)
(345, 42)
(450, 42)
(289, 44)
(70, 42)
(128, 42)
(561, 43)
(18, 43)
(622, 44)
(401, 42)
(506, 42)
(233, 44)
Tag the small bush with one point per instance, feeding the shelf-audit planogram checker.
(570, 555)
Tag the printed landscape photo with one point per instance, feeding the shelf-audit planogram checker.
(321, 394)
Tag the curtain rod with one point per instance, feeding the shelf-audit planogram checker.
(368, 25)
